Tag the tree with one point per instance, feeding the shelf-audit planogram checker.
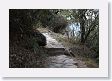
(21, 29)
(79, 15)
(88, 19)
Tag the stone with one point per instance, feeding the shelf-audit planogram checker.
(40, 38)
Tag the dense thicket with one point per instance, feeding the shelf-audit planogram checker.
(24, 40)
(89, 26)
(23, 24)
(24, 21)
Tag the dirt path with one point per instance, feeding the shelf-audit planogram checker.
(57, 58)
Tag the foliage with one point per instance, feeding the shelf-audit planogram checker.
(22, 31)
(23, 24)
(89, 25)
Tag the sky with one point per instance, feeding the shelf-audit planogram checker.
(75, 27)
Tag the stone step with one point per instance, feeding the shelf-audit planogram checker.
(55, 51)
(59, 51)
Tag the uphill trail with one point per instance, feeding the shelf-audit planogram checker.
(57, 57)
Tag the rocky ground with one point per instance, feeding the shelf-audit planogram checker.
(57, 55)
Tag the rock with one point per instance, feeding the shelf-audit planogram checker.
(66, 52)
(76, 63)
(69, 52)
(69, 61)
(61, 61)
(72, 66)
(41, 39)
(55, 51)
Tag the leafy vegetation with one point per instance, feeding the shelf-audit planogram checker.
(27, 41)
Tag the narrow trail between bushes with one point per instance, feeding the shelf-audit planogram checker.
(57, 57)
(51, 42)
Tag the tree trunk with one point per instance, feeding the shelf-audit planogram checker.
(82, 32)
(73, 32)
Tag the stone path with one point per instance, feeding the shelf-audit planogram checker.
(57, 57)
(51, 42)
(60, 61)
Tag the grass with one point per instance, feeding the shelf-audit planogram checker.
(80, 54)
(90, 63)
